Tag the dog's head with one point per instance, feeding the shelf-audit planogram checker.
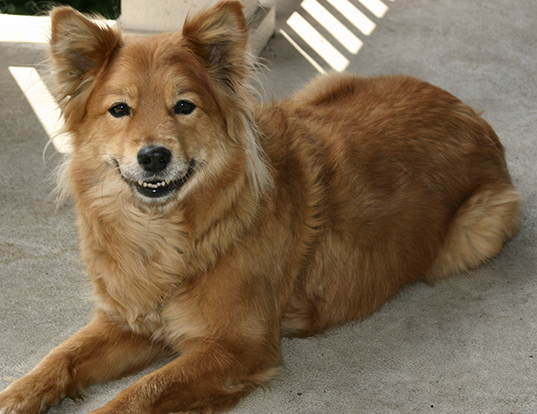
(154, 117)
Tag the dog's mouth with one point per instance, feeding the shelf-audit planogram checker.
(157, 188)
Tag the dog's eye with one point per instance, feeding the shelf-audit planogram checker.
(184, 107)
(120, 109)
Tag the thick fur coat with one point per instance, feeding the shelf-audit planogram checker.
(211, 224)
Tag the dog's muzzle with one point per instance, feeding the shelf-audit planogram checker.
(158, 178)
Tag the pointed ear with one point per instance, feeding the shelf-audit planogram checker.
(219, 37)
(80, 48)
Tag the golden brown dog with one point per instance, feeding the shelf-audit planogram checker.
(211, 225)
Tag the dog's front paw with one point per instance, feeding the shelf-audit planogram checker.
(26, 396)
(13, 401)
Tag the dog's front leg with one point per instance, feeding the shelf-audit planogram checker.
(97, 353)
(210, 378)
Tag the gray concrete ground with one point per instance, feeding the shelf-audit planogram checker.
(468, 345)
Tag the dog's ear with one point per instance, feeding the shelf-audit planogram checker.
(79, 48)
(78, 45)
(219, 37)
(219, 40)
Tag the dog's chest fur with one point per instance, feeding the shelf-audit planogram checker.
(146, 266)
(135, 261)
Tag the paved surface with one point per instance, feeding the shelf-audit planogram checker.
(468, 345)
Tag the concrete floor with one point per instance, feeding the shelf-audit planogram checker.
(468, 345)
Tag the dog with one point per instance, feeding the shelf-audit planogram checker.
(212, 224)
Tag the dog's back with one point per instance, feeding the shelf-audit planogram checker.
(402, 182)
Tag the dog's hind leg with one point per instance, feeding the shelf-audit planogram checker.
(97, 353)
(478, 231)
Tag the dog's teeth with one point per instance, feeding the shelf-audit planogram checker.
(153, 185)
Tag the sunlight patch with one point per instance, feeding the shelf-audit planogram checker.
(43, 104)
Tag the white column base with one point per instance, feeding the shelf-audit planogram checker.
(143, 17)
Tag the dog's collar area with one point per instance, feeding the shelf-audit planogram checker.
(156, 187)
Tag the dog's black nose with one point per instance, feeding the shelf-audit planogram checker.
(154, 158)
